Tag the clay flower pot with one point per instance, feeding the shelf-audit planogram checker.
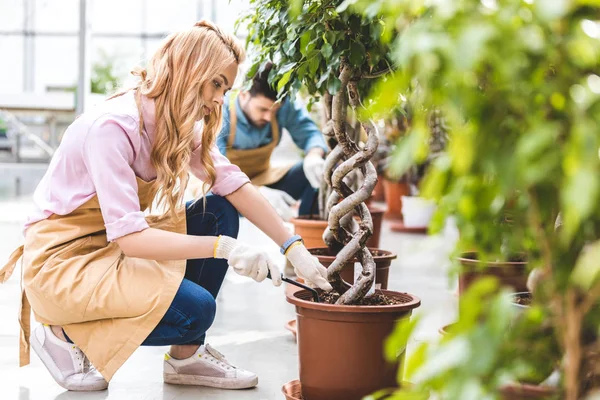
(340, 347)
(383, 260)
(393, 193)
(524, 391)
(509, 273)
(292, 390)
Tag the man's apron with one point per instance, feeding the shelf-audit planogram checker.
(256, 163)
(106, 302)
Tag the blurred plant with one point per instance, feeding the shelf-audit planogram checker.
(339, 55)
(518, 83)
(104, 78)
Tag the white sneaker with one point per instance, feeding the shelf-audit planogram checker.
(207, 367)
(67, 364)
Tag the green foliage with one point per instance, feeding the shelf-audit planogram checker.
(308, 40)
(104, 78)
(482, 351)
(518, 84)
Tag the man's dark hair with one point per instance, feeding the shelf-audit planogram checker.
(260, 84)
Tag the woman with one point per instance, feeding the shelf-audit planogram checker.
(102, 277)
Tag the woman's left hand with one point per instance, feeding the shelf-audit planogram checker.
(308, 267)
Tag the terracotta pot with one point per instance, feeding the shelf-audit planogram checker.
(340, 348)
(379, 191)
(291, 326)
(525, 391)
(383, 260)
(377, 213)
(393, 193)
(508, 273)
(292, 390)
(293, 288)
(312, 230)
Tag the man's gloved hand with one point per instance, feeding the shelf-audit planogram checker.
(313, 166)
(280, 200)
(246, 260)
(308, 266)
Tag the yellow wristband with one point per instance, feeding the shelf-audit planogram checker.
(292, 246)
(215, 247)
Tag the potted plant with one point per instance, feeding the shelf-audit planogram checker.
(336, 54)
(518, 83)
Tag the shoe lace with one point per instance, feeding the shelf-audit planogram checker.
(218, 357)
(84, 364)
(80, 358)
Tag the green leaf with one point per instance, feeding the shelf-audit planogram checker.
(333, 85)
(284, 80)
(327, 50)
(344, 6)
(304, 41)
(587, 269)
(331, 37)
(357, 53)
(395, 344)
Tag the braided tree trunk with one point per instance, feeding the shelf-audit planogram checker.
(343, 203)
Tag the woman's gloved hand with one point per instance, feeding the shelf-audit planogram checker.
(247, 261)
(308, 266)
(313, 167)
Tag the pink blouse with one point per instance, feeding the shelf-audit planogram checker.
(101, 153)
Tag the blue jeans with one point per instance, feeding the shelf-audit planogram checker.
(296, 185)
(193, 309)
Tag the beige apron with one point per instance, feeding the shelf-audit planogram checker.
(256, 163)
(107, 303)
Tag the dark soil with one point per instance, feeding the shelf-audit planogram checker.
(375, 300)
(523, 299)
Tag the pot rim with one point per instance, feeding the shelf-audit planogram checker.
(297, 300)
(522, 388)
(290, 385)
(464, 258)
(389, 255)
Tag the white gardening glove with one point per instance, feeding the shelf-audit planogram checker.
(247, 261)
(308, 266)
(313, 166)
(280, 200)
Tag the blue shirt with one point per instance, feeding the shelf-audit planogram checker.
(291, 116)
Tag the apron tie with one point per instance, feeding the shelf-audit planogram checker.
(24, 308)
(8, 269)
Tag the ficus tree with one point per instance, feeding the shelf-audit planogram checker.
(337, 55)
(518, 82)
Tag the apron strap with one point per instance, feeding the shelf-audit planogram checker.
(25, 324)
(24, 310)
(8, 269)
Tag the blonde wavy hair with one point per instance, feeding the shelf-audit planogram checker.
(176, 74)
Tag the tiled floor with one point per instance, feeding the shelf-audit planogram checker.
(248, 329)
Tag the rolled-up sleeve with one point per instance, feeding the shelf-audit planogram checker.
(108, 155)
(229, 177)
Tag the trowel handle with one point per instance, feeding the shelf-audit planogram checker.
(314, 293)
